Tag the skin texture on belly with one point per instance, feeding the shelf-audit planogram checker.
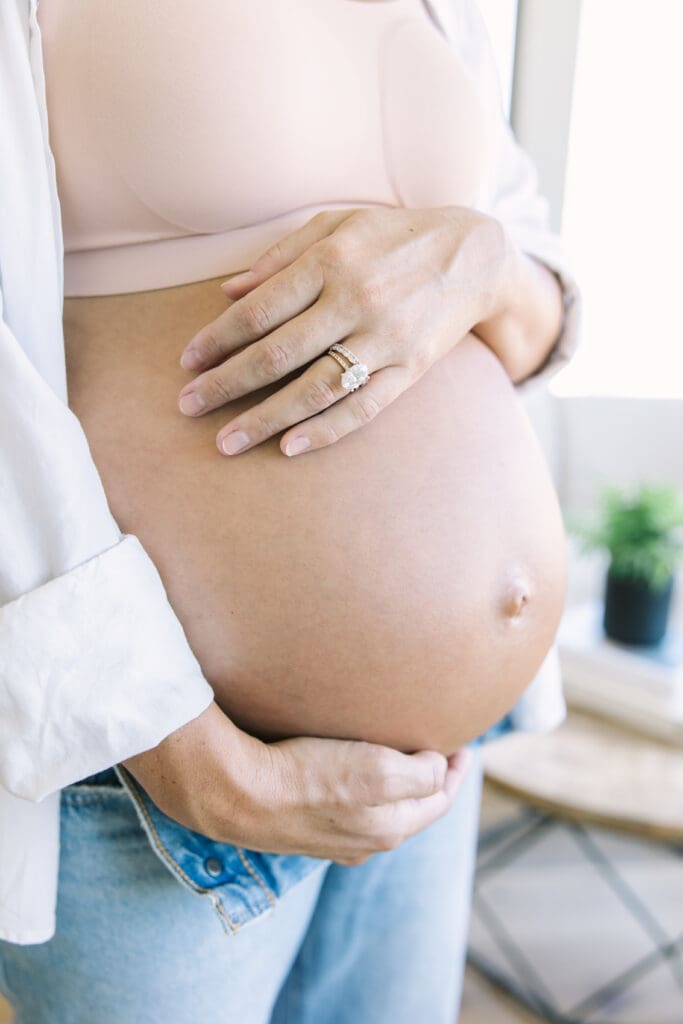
(402, 585)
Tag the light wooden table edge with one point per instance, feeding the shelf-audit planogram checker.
(582, 816)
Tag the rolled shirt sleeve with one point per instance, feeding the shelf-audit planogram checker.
(94, 664)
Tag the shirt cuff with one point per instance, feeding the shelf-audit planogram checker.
(548, 251)
(94, 667)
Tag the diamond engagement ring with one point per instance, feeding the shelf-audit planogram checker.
(355, 373)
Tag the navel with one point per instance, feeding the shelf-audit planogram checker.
(516, 596)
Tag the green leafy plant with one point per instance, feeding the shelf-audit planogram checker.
(641, 531)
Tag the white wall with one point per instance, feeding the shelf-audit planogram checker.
(619, 440)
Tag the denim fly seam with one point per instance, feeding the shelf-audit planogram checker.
(242, 885)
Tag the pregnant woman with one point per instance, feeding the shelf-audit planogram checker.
(290, 543)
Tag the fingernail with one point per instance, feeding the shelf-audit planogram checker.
(296, 445)
(190, 359)
(191, 403)
(234, 442)
(238, 278)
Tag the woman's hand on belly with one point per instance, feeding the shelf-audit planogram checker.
(333, 799)
(400, 287)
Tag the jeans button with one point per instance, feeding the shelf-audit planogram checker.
(213, 866)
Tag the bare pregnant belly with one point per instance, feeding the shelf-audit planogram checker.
(402, 585)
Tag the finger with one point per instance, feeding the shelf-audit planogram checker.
(268, 306)
(286, 250)
(458, 766)
(293, 345)
(411, 816)
(311, 392)
(397, 821)
(390, 776)
(356, 410)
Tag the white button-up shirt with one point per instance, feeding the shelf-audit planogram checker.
(94, 664)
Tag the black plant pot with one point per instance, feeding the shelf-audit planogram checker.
(634, 612)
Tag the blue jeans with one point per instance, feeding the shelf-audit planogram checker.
(157, 924)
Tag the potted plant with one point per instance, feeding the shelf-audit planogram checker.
(642, 534)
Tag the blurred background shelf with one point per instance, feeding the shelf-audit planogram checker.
(640, 686)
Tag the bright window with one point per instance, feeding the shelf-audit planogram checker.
(622, 221)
